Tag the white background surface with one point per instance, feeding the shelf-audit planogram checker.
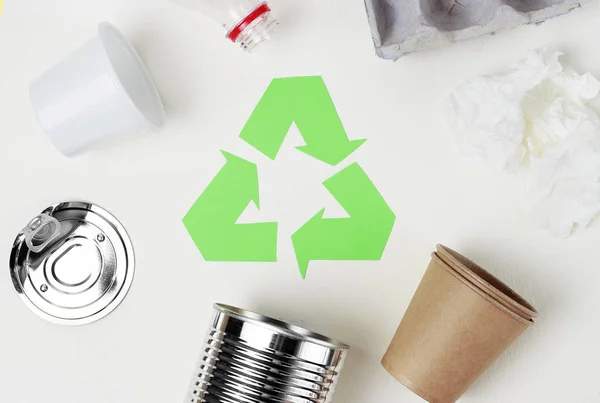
(146, 350)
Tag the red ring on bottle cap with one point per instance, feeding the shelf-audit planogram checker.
(249, 19)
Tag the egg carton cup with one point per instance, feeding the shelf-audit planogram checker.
(402, 27)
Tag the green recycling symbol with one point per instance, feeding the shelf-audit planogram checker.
(212, 220)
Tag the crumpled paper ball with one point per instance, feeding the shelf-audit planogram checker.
(535, 119)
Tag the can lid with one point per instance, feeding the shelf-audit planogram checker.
(76, 273)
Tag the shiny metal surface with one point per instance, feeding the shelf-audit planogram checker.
(82, 273)
(250, 358)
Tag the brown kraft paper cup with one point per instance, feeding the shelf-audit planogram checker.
(486, 281)
(451, 333)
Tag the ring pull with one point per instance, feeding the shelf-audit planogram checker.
(40, 232)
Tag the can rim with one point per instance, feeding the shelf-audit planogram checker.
(281, 327)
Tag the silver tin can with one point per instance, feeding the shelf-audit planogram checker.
(72, 264)
(250, 358)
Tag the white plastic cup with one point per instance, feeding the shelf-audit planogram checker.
(101, 90)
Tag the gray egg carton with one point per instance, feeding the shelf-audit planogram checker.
(401, 27)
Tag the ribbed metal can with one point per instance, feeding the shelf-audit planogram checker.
(251, 358)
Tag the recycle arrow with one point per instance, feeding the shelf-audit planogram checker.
(211, 221)
(306, 102)
(363, 236)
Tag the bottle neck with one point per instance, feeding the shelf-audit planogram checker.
(253, 29)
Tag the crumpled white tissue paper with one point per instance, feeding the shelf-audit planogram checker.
(535, 119)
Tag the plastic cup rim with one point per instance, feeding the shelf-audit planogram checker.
(104, 30)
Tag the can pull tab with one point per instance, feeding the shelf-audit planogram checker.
(42, 230)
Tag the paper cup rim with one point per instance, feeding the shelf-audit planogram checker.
(106, 31)
(483, 279)
(522, 319)
(487, 292)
